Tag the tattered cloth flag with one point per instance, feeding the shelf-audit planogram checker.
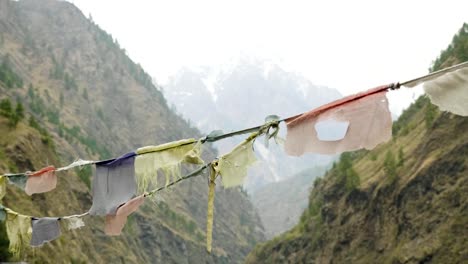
(19, 180)
(18, 228)
(370, 124)
(113, 184)
(210, 211)
(44, 230)
(167, 158)
(115, 223)
(41, 181)
(448, 88)
(233, 166)
(73, 221)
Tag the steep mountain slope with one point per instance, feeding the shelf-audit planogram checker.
(280, 204)
(406, 201)
(89, 100)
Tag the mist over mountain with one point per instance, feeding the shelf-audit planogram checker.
(241, 96)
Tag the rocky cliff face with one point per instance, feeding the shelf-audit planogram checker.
(83, 95)
(409, 203)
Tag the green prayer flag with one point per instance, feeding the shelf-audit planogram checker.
(18, 179)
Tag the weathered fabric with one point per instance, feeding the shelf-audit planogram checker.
(113, 184)
(435, 75)
(73, 222)
(115, 223)
(370, 124)
(41, 181)
(166, 158)
(19, 180)
(210, 210)
(77, 163)
(44, 230)
(233, 166)
(2, 187)
(18, 228)
(450, 91)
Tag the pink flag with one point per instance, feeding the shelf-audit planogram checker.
(41, 181)
(367, 114)
(115, 223)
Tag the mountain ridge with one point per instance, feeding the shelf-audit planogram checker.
(85, 96)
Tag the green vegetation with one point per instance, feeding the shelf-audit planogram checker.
(85, 174)
(85, 94)
(14, 116)
(7, 76)
(74, 132)
(181, 222)
(457, 50)
(430, 114)
(390, 166)
(46, 137)
(345, 172)
(4, 242)
(402, 124)
(70, 82)
(401, 157)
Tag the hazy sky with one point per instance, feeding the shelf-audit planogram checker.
(347, 45)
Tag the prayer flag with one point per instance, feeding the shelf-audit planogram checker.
(366, 114)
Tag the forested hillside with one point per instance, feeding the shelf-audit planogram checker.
(405, 201)
(68, 91)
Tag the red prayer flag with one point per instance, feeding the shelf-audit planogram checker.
(370, 124)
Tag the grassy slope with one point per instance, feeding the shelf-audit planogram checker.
(414, 211)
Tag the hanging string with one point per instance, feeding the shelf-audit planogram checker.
(220, 135)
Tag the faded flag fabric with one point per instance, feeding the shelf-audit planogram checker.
(113, 184)
(369, 118)
(44, 230)
(210, 208)
(447, 88)
(19, 180)
(77, 163)
(115, 223)
(73, 222)
(41, 181)
(450, 92)
(166, 158)
(234, 165)
(18, 228)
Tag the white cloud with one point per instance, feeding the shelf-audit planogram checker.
(348, 45)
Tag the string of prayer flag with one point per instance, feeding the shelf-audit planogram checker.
(364, 118)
